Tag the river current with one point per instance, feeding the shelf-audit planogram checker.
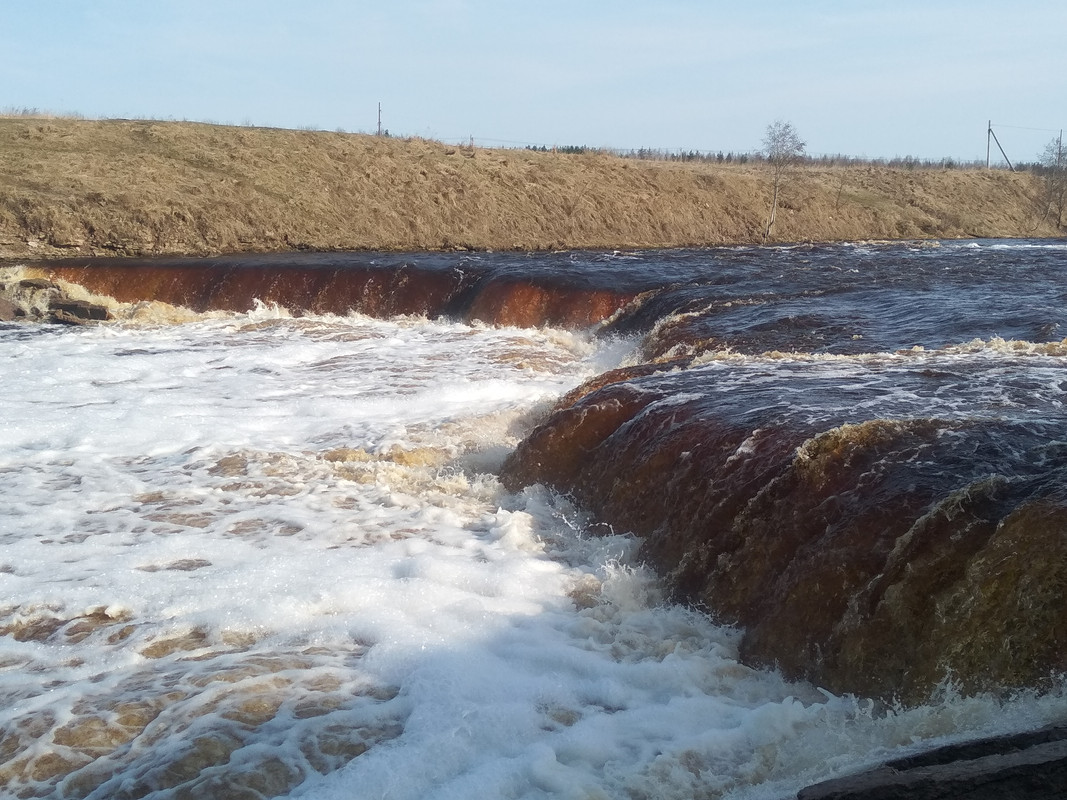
(264, 552)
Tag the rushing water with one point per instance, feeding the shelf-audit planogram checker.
(246, 554)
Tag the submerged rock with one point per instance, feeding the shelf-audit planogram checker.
(876, 556)
(1028, 766)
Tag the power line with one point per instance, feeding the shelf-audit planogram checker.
(1023, 128)
(990, 135)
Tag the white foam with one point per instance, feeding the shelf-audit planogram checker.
(273, 537)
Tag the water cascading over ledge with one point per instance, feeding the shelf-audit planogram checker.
(877, 521)
(316, 286)
(871, 555)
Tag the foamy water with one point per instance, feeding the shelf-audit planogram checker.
(252, 554)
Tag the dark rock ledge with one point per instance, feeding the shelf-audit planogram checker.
(1025, 766)
(77, 312)
(42, 300)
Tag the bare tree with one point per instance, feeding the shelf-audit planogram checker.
(783, 148)
(1053, 165)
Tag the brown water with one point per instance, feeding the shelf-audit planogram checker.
(265, 551)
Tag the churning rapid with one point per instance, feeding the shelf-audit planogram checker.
(255, 541)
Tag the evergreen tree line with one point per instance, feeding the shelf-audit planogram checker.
(756, 157)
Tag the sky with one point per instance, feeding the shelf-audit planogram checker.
(860, 78)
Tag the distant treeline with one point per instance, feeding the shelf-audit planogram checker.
(720, 157)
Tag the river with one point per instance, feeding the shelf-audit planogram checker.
(264, 551)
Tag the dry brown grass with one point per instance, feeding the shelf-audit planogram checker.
(138, 187)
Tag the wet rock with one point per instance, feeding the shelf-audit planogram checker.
(37, 283)
(42, 300)
(1029, 766)
(8, 310)
(77, 312)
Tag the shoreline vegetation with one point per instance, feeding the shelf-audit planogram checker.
(73, 187)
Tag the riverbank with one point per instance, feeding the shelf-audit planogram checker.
(118, 187)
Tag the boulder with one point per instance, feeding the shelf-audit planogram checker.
(77, 312)
(8, 310)
(1028, 766)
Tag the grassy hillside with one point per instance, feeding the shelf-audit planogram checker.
(137, 187)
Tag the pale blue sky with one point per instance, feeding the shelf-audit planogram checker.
(859, 78)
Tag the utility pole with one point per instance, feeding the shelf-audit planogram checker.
(379, 119)
(1001, 149)
(988, 133)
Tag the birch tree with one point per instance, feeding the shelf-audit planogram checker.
(783, 149)
(1054, 174)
